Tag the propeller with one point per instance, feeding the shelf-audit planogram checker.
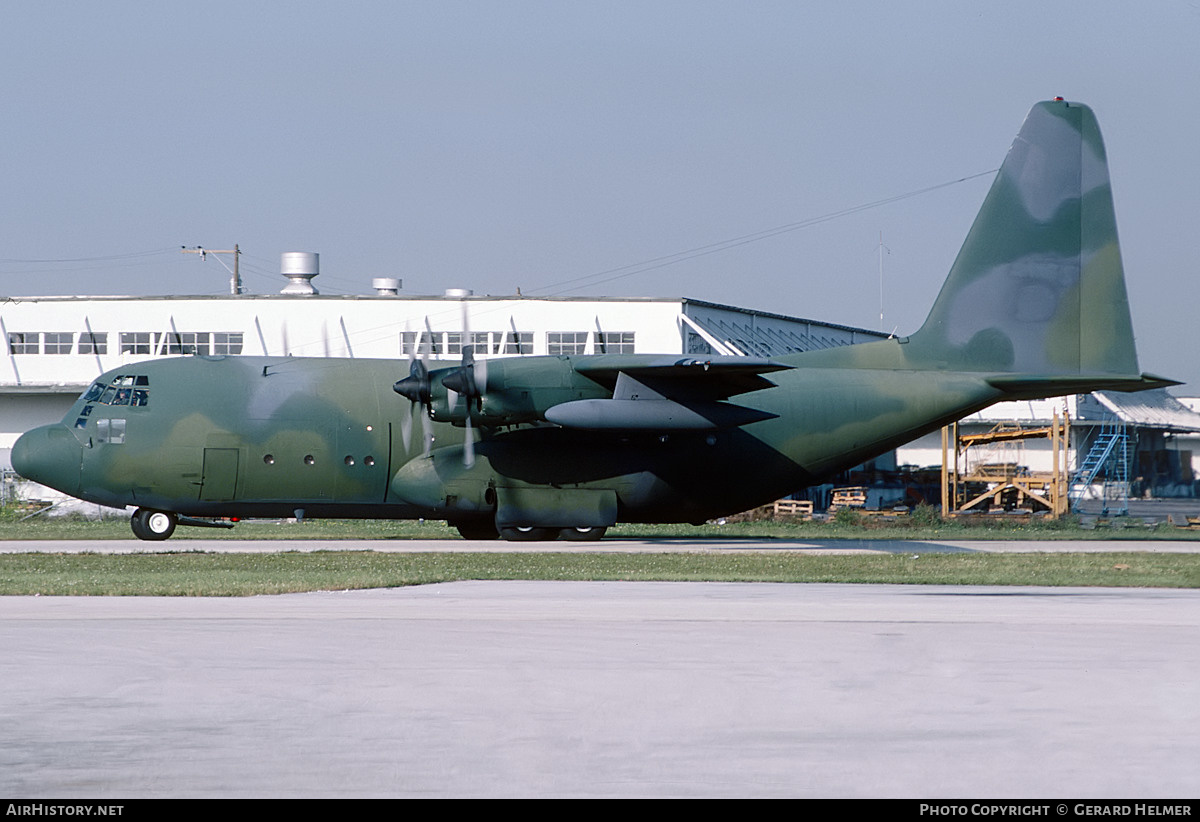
(417, 389)
(469, 381)
(416, 386)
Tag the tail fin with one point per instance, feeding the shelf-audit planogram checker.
(1038, 289)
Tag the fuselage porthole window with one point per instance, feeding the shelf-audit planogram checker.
(111, 431)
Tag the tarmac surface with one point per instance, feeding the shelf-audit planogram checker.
(575, 689)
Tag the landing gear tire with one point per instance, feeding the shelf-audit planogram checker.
(526, 533)
(152, 525)
(477, 530)
(582, 534)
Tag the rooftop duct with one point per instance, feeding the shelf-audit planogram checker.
(299, 267)
(386, 286)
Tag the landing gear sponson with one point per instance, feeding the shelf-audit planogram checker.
(154, 526)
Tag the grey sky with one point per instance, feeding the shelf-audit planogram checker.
(497, 145)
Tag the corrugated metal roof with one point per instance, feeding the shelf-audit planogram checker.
(1146, 409)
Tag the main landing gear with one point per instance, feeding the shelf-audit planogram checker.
(153, 525)
(528, 533)
(531, 534)
(159, 525)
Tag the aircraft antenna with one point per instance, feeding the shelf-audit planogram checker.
(882, 248)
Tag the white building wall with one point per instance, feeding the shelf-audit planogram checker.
(313, 326)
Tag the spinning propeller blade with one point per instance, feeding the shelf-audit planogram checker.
(417, 388)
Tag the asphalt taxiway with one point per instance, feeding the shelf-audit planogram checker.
(609, 689)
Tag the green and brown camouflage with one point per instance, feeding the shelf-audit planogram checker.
(536, 447)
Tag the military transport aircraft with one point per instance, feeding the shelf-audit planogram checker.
(563, 447)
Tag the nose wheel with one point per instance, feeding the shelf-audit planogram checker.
(152, 525)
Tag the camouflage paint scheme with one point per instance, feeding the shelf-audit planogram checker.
(1034, 306)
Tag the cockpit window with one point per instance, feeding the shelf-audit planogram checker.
(123, 389)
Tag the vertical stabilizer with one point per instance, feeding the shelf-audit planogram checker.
(1038, 288)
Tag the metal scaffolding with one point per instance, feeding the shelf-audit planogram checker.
(972, 485)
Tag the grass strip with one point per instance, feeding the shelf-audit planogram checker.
(225, 574)
(864, 528)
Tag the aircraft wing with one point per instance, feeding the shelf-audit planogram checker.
(712, 378)
(667, 393)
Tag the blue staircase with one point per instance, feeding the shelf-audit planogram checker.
(1107, 461)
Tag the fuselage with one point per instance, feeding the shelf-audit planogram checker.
(255, 437)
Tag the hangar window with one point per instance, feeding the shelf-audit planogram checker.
(420, 342)
(566, 342)
(518, 342)
(57, 342)
(92, 342)
(614, 342)
(227, 342)
(135, 342)
(416, 343)
(481, 341)
(24, 342)
(185, 342)
(408, 342)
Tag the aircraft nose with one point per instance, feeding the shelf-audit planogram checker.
(50, 455)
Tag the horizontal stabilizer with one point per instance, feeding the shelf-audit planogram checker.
(1024, 386)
